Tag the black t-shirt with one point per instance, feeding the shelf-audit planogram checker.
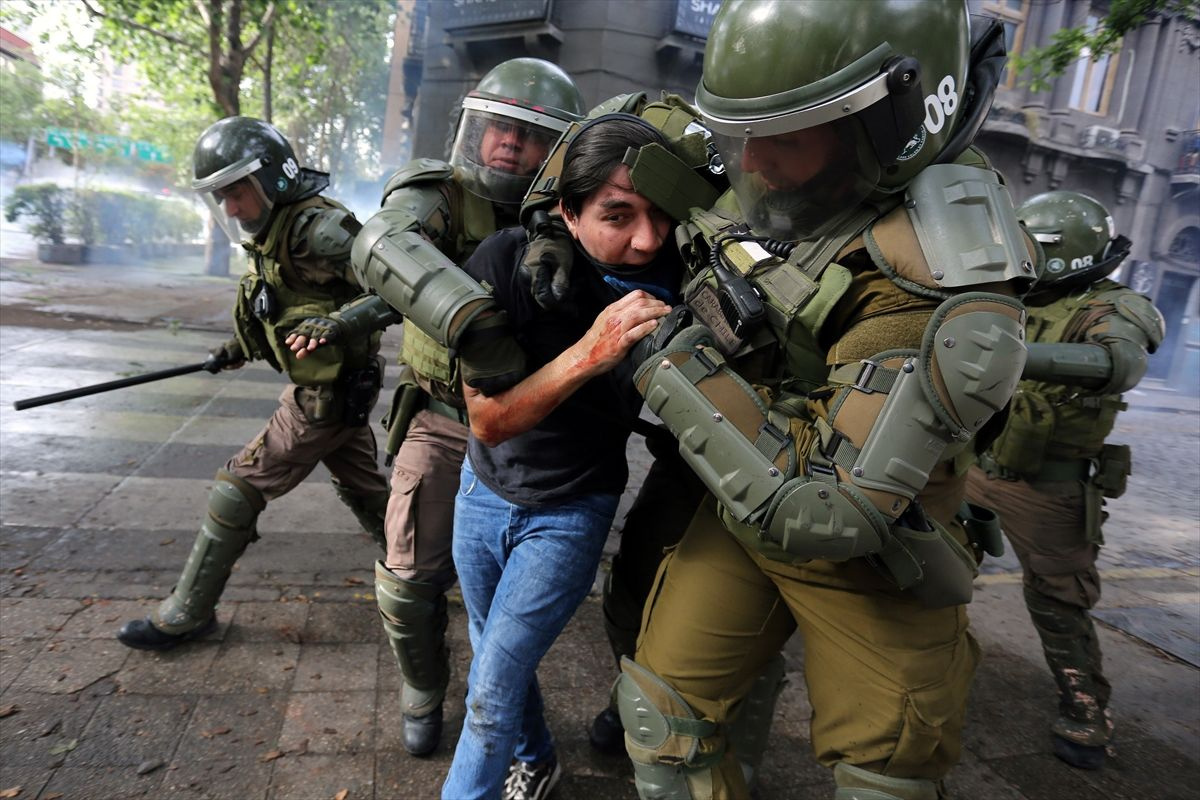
(579, 448)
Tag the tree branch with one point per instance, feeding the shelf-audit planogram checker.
(95, 12)
(263, 26)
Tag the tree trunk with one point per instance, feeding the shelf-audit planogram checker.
(267, 72)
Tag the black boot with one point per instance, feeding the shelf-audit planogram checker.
(422, 734)
(607, 734)
(1080, 756)
(141, 634)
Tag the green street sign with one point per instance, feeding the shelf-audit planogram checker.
(67, 139)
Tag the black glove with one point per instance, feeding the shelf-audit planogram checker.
(228, 355)
(548, 261)
(678, 318)
(317, 328)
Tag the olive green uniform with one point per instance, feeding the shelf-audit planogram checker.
(1048, 473)
(293, 274)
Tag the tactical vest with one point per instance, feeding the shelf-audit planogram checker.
(470, 220)
(1051, 422)
(271, 274)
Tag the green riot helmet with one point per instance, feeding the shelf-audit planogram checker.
(508, 125)
(816, 106)
(244, 170)
(1078, 236)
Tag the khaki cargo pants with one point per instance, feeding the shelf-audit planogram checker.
(887, 678)
(290, 446)
(420, 511)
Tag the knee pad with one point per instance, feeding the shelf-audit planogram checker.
(854, 783)
(233, 503)
(660, 726)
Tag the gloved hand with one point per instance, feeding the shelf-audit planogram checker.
(311, 333)
(548, 261)
(228, 355)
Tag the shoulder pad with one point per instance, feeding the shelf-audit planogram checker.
(1140, 311)
(966, 230)
(329, 232)
(420, 170)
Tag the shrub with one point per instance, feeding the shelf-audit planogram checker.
(45, 204)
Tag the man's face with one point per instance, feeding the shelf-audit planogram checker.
(241, 202)
(790, 160)
(618, 226)
(513, 147)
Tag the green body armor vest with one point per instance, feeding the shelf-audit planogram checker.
(470, 220)
(1050, 422)
(291, 300)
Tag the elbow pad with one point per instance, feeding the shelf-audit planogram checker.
(417, 280)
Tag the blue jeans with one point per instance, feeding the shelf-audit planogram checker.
(523, 572)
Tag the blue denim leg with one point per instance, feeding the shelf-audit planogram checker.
(523, 572)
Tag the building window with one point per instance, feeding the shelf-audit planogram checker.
(1094, 78)
(1012, 13)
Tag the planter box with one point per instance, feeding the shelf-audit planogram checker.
(61, 253)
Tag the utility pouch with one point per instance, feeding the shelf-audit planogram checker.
(360, 389)
(1094, 514)
(927, 562)
(983, 530)
(405, 405)
(316, 402)
(1021, 448)
(1112, 473)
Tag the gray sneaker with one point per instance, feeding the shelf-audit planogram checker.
(531, 781)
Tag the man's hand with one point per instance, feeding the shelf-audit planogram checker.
(617, 329)
(311, 334)
(228, 355)
(548, 261)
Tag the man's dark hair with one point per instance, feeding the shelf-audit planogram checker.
(596, 151)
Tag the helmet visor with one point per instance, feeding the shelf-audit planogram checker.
(798, 184)
(240, 207)
(500, 147)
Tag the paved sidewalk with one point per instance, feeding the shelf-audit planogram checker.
(294, 697)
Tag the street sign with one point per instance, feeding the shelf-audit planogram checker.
(67, 139)
(478, 13)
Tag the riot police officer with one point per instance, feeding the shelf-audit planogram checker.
(1050, 469)
(851, 324)
(440, 212)
(298, 243)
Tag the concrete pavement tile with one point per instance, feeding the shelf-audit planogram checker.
(232, 727)
(57, 499)
(269, 622)
(35, 618)
(33, 452)
(340, 667)
(15, 654)
(28, 779)
(1044, 777)
(312, 508)
(217, 779)
(129, 730)
(309, 777)
(70, 665)
(250, 589)
(120, 550)
(972, 778)
(133, 585)
(182, 671)
(597, 787)
(104, 783)
(253, 667)
(399, 775)
(1018, 727)
(19, 544)
(357, 592)
(136, 505)
(42, 723)
(101, 619)
(1170, 628)
(1142, 761)
(330, 722)
(344, 622)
